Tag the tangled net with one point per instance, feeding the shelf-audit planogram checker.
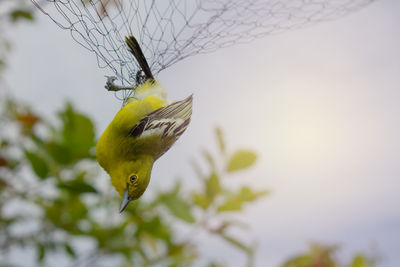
(171, 30)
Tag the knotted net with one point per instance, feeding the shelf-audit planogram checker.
(171, 30)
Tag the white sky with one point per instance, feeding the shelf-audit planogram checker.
(319, 105)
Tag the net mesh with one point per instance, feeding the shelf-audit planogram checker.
(171, 30)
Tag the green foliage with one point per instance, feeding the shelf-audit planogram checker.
(240, 160)
(238, 244)
(77, 187)
(324, 256)
(2, 65)
(177, 205)
(61, 160)
(361, 260)
(234, 202)
(77, 136)
(213, 186)
(21, 14)
(38, 164)
(4, 49)
(220, 139)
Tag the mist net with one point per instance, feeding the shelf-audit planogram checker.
(171, 30)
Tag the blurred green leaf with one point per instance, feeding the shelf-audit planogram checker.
(318, 255)
(300, 261)
(220, 139)
(234, 202)
(66, 212)
(237, 243)
(2, 67)
(59, 153)
(78, 134)
(21, 14)
(213, 187)
(38, 164)
(40, 252)
(240, 160)
(361, 261)
(4, 143)
(70, 251)
(177, 206)
(113, 239)
(155, 227)
(247, 194)
(201, 200)
(77, 187)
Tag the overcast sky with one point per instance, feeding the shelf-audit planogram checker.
(319, 105)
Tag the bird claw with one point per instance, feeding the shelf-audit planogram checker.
(111, 86)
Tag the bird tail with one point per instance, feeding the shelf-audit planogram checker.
(135, 49)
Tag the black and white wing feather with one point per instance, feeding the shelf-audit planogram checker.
(164, 126)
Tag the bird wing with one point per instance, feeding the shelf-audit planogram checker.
(164, 126)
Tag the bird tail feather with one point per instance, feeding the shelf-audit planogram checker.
(135, 49)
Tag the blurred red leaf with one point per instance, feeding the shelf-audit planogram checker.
(28, 120)
(3, 162)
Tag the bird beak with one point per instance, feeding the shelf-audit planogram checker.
(125, 200)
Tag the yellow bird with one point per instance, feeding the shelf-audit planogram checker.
(143, 130)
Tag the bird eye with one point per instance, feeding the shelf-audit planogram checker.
(133, 178)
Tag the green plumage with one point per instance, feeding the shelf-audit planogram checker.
(139, 134)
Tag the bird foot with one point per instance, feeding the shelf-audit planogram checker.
(111, 86)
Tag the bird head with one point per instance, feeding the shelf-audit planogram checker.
(135, 178)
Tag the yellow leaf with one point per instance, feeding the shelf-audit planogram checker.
(240, 160)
